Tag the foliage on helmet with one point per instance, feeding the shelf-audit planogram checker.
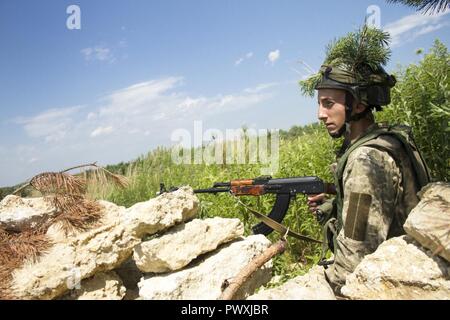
(355, 59)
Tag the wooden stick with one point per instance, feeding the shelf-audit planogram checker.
(81, 166)
(21, 188)
(275, 249)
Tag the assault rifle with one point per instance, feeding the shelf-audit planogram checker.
(284, 188)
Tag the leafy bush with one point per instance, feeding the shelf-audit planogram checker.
(420, 99)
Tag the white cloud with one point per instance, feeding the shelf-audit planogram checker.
(249, 97)
(99, 53)
(159, 116)
(248, 55)
(429, 29)
(141, 106)
(410, 27)
(220, 103)
(124, 124)
(261, 87)
(189, 103)
(274, 56)
(52, 124)
(91, 116)
(26, 155)
(231, 102)
(102, 131)
(239, 61)
(157, 103)
(138, 98)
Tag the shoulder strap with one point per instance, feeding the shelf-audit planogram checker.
(404, 135)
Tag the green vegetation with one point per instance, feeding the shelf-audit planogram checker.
(420, 99)
(5, 191)
(27, 192)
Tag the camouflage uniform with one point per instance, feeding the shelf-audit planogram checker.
(375, 203)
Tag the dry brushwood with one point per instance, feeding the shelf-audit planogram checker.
(233, 286)
(16, 247)
(67, 193)
(58, 183)
(27, 244)
(74, 211)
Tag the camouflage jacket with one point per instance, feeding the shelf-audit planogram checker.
(374, 204)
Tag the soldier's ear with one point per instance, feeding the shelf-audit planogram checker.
(360, 107)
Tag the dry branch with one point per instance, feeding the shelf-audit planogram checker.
(44, 181)
(275, 249)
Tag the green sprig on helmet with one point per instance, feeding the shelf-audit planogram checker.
(354, 63)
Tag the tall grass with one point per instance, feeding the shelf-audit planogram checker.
(308, 154)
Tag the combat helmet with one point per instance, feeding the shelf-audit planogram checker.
(354, 63)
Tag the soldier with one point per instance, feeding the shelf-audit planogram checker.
(379, 170)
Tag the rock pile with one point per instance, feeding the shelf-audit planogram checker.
(186, 257)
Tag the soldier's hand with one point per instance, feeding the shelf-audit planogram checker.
(314, 201)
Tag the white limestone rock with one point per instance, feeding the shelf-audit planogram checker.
(399, 269)
(101, 249)
(429, 222)
(185, 242)
(18, 214)
(102, 286)
(311, 286)
(204, 278)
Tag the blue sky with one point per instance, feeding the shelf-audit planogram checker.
(138, 70)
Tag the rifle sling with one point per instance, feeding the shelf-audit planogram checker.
(281, 229)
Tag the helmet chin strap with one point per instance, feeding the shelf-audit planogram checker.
(345, 128)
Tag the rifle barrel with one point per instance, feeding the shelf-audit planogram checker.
(212, 190)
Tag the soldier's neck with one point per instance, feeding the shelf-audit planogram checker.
(358, 128)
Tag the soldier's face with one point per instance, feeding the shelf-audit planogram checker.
(331, 109)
